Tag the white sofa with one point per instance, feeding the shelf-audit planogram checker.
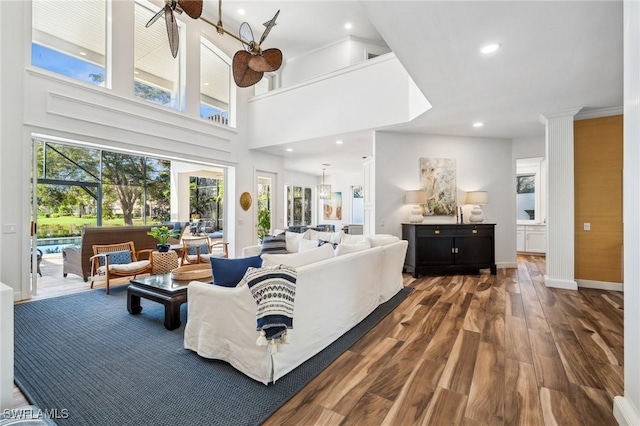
(332, 296)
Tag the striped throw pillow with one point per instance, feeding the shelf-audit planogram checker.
(274, 244)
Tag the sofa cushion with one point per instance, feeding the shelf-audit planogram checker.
(304, 245)
(274, 244)
(299, 259)
(332, 237)
(382, 239)
(293, 239)
(351, 248)
(353, 239)
(229, 272)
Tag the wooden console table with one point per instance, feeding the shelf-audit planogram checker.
(449, 248)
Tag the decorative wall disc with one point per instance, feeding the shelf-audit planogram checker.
(245, 201)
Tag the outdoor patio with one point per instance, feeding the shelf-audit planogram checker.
(53, 284)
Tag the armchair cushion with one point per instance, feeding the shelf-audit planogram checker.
(229, 272)
(117, 257)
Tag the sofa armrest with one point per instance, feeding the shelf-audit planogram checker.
(251, 250)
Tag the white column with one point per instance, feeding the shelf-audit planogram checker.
(560, 199)
(626, 408)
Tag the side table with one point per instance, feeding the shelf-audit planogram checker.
(164, 262)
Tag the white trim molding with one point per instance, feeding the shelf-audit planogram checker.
(560, 283)
(625, 412)
(598, 113)
(506, 265)
(601, 285)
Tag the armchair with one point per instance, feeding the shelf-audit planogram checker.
(118, 260)
(201, 250)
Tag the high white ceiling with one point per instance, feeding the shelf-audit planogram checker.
(554, 56)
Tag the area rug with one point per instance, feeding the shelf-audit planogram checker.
(88, 361)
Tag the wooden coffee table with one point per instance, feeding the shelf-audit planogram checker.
(162, 289)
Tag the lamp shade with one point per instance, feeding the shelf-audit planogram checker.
(477, 197)
(415, 197)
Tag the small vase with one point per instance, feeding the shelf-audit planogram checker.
(163, 248)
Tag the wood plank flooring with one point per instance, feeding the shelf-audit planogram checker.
(477, 350)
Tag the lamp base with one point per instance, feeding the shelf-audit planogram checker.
(416, 215)
(477, 215)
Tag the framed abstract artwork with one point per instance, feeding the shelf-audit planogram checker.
(332, 208)
(438, 180)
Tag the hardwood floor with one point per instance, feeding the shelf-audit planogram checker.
(477, 350)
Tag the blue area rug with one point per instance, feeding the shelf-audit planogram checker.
(85, 358)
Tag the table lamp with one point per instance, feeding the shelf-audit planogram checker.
(477, 199)
(416, 198)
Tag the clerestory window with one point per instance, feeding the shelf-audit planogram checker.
(157, 74)
(69, 38)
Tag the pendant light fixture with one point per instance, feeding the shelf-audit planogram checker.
(324, 189)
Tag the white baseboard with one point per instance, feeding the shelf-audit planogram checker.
(558, 283)
(506, 265)
(625, 412)
(601, 285)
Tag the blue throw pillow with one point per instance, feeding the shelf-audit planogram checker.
(121, 257)
(229, 272)
(192, 251)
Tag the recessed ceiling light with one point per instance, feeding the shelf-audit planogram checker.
(338, 142)
(83, 53)
(206, 84)
(478, 124)
(289, 149)
(241, 11)
(348, 26)
(490, 48)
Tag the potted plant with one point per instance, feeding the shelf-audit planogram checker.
(264, 223)
(162, 234)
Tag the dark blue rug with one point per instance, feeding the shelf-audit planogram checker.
(90, 362)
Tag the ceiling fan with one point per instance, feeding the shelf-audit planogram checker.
(250, 64)
(193, 8)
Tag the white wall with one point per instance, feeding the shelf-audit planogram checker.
(481, 164)
(530, 147)
(340, 182)
(344, 101)
(626, 408)
(328, 58)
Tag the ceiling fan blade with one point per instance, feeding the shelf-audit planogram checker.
(269, 61)
(242, 74)
(269, 25)
(247, 35)
(193, 8)
(155, 18)
(172, 30)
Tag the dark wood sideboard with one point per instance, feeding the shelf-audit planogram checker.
(449, 248)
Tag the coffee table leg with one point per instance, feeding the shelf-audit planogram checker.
(172, 315)
(133, 303)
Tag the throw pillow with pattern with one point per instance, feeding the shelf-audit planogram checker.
(274, 244)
